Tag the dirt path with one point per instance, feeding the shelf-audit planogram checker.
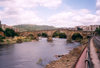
(81, 61)
(94, 55)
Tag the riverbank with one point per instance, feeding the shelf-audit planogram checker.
(16, 40)
(67, 61)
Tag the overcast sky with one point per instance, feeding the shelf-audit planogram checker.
(58, 13)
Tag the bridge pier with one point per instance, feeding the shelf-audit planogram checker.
(49, 39)
(84, 37)
(36, 37)
(69, 40)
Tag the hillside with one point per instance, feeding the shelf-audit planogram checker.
(31, 27)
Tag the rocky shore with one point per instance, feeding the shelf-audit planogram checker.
(69, 60)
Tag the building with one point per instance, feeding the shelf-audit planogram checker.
(4, 26)
(93, 27)
(88, 28)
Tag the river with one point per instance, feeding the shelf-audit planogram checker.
(33, 54)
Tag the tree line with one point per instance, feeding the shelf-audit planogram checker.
(7, 33)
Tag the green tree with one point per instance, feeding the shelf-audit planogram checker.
(55, 34)
(77, 36)
(1, 38)
(79, 28)
(31, 36)
(97, 31)
(1, 30)
(10, 32)
(44, 35)
(62, 35)
(39, 34)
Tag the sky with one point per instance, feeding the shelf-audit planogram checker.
(58, 13)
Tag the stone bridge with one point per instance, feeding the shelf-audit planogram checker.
(69, 33)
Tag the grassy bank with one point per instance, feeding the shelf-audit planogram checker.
(67, 61)
(16, 40)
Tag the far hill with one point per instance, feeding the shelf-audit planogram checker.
(31, 27)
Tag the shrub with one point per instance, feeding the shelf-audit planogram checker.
(1, 30)
(55, 34)
(97, 31)
(31, 37)
(77, 36)
(1, 38)
(39, 34)
(44, 35)
(19, 41)
(62, 35)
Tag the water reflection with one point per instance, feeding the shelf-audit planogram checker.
(33, 54)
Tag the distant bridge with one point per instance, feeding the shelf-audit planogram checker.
(69, 33)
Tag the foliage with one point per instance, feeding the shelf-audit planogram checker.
(19, 41)
(39, 34)
(62, 35)
(26, 40)
(44, 35)
(77, 36)
(1, 38)
(55, 34)
(10, 32)
(79, 28)
(8, 41)
(97, 31)
(1, 30)
(31, 37)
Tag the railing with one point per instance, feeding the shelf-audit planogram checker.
(87, 61)
(88, 58)
(74, 66)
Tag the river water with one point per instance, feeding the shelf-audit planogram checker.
(33, 54)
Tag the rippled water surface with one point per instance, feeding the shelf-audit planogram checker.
(33, 54)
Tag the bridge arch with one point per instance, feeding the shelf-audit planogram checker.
(31, 36)
(58, 34)
(44, 34)
(77, 36)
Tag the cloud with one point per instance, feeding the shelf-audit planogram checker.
(73, 18)
(30, 3)
(21, 12)
(50, 3)
(98, 12)
(98, 4)
(98, 7)
(20, 16)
